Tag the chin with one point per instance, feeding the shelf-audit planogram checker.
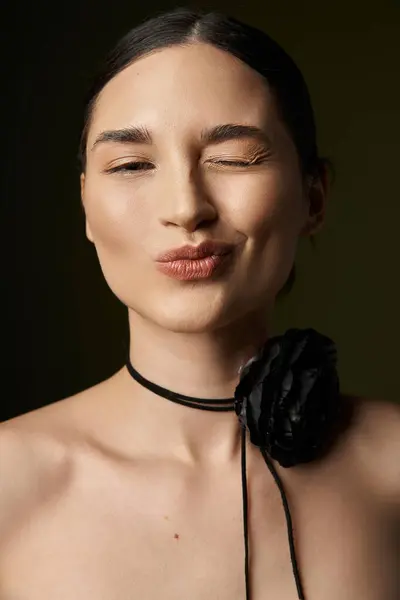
(190, 315)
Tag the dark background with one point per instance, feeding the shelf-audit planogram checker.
(63, 329)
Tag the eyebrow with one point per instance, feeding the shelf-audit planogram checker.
(214, 135)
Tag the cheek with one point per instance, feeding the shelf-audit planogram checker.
(269, 205)
(113, 221)
(272, 221)
(119, 236)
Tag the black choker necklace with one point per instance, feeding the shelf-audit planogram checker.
(288, 398)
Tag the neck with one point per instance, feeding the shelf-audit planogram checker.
(200, 365)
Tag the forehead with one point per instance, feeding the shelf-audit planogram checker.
(184, 88)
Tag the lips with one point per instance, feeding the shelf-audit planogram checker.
(192, 269)
(206, 248)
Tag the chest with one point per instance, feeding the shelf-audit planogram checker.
(163, 536)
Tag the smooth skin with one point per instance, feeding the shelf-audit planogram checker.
(118, 494)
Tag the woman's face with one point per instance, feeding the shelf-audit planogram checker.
(186, 191)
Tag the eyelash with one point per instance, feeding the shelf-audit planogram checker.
(124, 169)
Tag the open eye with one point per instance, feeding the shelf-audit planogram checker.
(128, 167)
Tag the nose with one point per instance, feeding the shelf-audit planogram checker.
(186, 203)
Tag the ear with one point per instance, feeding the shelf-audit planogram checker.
(316, 191)
(88, 230)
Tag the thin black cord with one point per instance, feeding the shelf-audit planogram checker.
(288, 523)
(203, 403)
(181, 398)
(245, 524)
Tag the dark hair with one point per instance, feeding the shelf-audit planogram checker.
(183, 26)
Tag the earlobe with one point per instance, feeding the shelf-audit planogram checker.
(313, 225)
(89, 232)
(82, 183)
(87, 226)
(316, 197)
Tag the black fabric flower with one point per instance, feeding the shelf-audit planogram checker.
(288, 396)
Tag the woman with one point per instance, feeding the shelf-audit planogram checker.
(199, 133)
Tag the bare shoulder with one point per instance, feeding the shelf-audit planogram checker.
(375, 437)
(37, 453)
(31, 467)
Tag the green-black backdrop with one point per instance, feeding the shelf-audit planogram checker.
(64, 329)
